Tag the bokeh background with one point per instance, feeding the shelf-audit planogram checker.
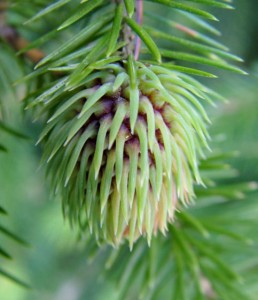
(55, 264)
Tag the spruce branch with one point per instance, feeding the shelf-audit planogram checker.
(125, 131)
(139, 19)
(146, 121)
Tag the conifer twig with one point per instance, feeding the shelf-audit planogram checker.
(139, 16)
(12, 37)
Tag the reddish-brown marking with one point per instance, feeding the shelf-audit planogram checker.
(186, 30)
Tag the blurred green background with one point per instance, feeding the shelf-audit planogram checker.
(55, 265)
